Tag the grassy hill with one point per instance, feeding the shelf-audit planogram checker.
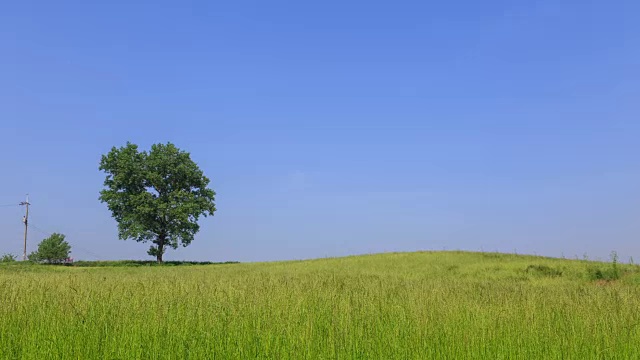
(440, 305)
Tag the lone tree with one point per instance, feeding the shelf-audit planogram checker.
(156, 196)
(52, 250)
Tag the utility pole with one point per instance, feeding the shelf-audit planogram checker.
(25, 220)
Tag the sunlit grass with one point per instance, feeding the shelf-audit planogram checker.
(442, 305)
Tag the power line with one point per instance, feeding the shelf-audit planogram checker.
(88, 252)
(48, 233)
(74, 246)
(40, 230)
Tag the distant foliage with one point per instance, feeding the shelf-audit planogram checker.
(138, 263)
(52, 250)
(6, 258)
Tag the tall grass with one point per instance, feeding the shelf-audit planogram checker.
(444, 305)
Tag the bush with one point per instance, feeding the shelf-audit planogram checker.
(613, 272)
(543, 270)
(597, 273)
(7, 258)
(52, 250)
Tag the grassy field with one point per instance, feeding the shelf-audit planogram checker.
(439, 305)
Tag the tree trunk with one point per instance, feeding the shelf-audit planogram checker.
(160, 249)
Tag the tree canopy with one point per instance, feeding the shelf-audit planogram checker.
(156, 196)
(53, 250)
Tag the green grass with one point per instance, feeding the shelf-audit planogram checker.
(439, 305)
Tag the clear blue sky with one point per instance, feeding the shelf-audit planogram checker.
(332, 127)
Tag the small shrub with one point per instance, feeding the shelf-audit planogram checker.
(543, 270)
(613, 272)
(595, 273)
(452, 268)
(6, 258)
